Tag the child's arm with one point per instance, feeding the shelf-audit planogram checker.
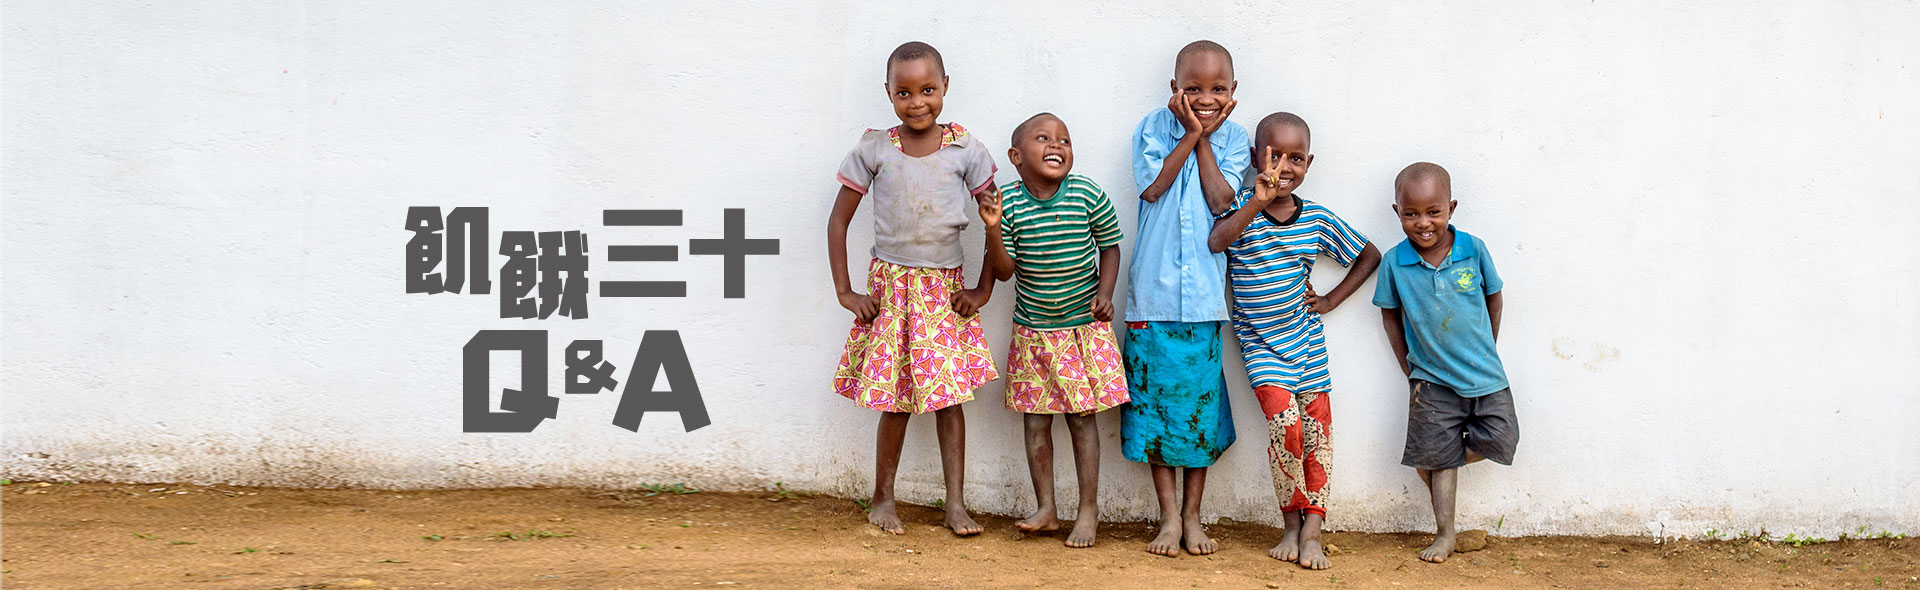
(1396, 337)
(1213, 182)
(969, 301)
(1109, 274)
(862, 306)
(1490, 281)
(999, 259)
(1227, 229)
(1363, 267)
(1177, 157)
(1493, 313)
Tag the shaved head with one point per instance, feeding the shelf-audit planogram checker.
(1020, 130)
(1284, 119)
(1423, 172)
(1200, 47)
(913, 50)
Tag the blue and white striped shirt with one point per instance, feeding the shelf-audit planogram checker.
(1268, 266)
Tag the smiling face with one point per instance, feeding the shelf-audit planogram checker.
(1291, 152)
(1043, 152)
(1425, 206)
(1206, 78)
(916, 87)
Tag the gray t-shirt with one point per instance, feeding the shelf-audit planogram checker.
(919, 204)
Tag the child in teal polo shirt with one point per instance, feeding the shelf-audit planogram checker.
(1439, 297)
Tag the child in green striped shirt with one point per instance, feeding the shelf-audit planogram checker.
(1060, 238)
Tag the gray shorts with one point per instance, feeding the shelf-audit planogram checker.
(1441, 425)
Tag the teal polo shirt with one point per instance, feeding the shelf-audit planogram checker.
(1444, 312)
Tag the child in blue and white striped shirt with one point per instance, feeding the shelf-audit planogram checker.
(1272, 237)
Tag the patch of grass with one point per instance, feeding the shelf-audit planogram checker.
(780, 492)
(527, 536)
(432, 537)
(1798, 541)
(865, 505)
(655, 489)
(8, 482)
(183, 543)
(1498, 523)
(246, 550)
(939, 504)
(1712, 534)
(146, 535)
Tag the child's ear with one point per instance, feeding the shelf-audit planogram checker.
(1013, 157)
(944, 85)
(1451, 206)
(1308, 163)
(1173, 85)
(1396, 207)
(1234, 87)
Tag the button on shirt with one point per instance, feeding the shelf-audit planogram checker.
(1443, 311)
(1174, 277)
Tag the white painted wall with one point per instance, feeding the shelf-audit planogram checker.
(1703, 214)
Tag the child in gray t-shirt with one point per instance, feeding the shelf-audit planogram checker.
(916, 345)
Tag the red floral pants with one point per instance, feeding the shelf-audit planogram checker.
(1300, 439)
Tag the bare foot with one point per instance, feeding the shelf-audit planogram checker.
(1441, 548)
(962, 524)
(1312, 556)
(1083, 533)
(1289, 547)
(881, 514)
(1168, 541)
(1043, 519)
(1197, 541)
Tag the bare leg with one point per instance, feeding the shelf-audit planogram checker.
(892, 433)
(1040, 466)
(1440, 484)
(1289, 547)
(1312, 555)
(951, 424)
(1167, 542)
(1086, 464)
(1196, 535)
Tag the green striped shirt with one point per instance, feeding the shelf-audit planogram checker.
(1055, 244)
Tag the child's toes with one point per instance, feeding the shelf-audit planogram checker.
(963, 525)
(1285, 551)
(1313, 557)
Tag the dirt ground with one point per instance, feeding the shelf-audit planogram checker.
(187, 536)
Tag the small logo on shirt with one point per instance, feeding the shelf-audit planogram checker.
(1465, 280)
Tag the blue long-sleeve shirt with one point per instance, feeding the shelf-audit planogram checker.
(1175, 277)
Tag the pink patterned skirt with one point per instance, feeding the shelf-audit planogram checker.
(918, 355)
(1073, 370)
